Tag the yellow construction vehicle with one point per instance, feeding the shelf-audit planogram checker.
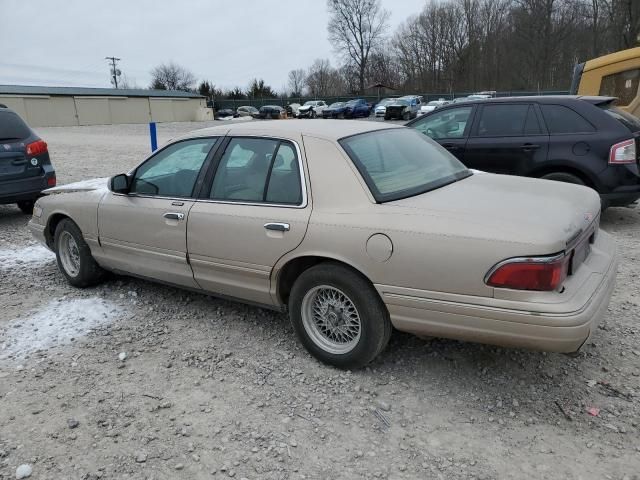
(613, 75)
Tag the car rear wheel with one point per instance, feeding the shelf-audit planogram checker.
(74, 256)
(563, 177)
(338, 316)
(26, 206)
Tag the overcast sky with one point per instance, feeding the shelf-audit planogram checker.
(64, 42)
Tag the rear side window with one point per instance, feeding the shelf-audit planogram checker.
(509, 120)
(258, 170)
(561, 119)
(12, 127)
(630, 121)
(623, 85)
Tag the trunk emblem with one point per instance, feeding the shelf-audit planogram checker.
(588, 217)
(34, 162)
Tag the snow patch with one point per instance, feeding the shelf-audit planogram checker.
(27, 257)
(235, 119)
(56, 324)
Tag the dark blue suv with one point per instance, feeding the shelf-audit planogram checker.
(25, 167)
(357, 108)
(575, 139)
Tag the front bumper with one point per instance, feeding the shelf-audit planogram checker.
(305, 113)
(38, 232)
(559, 327)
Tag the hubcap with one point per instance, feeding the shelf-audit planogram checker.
(69, 254)
(331, 319)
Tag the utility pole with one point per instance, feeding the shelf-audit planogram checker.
(115, 73)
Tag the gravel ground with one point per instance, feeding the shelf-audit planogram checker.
(132, 380)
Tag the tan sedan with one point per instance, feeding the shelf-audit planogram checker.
(354, 228)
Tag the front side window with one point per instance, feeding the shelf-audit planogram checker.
(258, 170)
(399, 163)
(507, 120)
(445, 124)
(173, 171)
(561, 119)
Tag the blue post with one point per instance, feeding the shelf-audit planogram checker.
(154, 136)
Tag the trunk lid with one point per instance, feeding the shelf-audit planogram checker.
(546, 216)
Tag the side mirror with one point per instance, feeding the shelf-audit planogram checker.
(119, 183)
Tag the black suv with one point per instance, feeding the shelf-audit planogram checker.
(576, 139)
(25, 168)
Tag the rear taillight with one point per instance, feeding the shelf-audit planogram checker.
(623, 152)
(534, 273)
(51, 181)
(36, 148)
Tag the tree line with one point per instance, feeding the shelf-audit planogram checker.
(451, 45)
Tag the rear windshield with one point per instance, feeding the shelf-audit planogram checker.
(400, 163)
(12, 127)
(628, 120)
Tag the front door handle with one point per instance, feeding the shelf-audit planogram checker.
(527, 147)
(278, 227)
(174, 216)
(451, 146)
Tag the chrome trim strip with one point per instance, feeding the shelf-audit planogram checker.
(544, 259)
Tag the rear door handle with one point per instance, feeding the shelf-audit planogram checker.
(278, 227)
(174, 216)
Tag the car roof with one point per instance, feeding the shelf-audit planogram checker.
(542, 99)
(328, 129)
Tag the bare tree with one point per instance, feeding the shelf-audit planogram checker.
(356, 27)
(170, 76)
(323, 80)
(297, 79)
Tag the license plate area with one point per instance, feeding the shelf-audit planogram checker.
(581, 252)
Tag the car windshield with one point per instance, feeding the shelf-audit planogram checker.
(337, 105)
(434, 103)
(353, 102)
(310, 103)
(401, 102)
(385, 102)
(400, 162)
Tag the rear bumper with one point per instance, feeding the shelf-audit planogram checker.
(621, 197)
(522, 328)
(24, 189)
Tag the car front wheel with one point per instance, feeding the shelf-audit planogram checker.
(74, 256)
(338, 316)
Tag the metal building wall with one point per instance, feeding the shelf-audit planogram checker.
(61, 110)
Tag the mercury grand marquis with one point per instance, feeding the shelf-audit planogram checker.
(353, 228)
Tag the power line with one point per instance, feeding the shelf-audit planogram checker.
(115, 73)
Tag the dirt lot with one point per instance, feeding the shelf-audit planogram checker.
(132, 380)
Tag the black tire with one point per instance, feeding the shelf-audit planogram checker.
(26, 206)
(375, 326)
(406, 116)
(563, 177)
(89, 272)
